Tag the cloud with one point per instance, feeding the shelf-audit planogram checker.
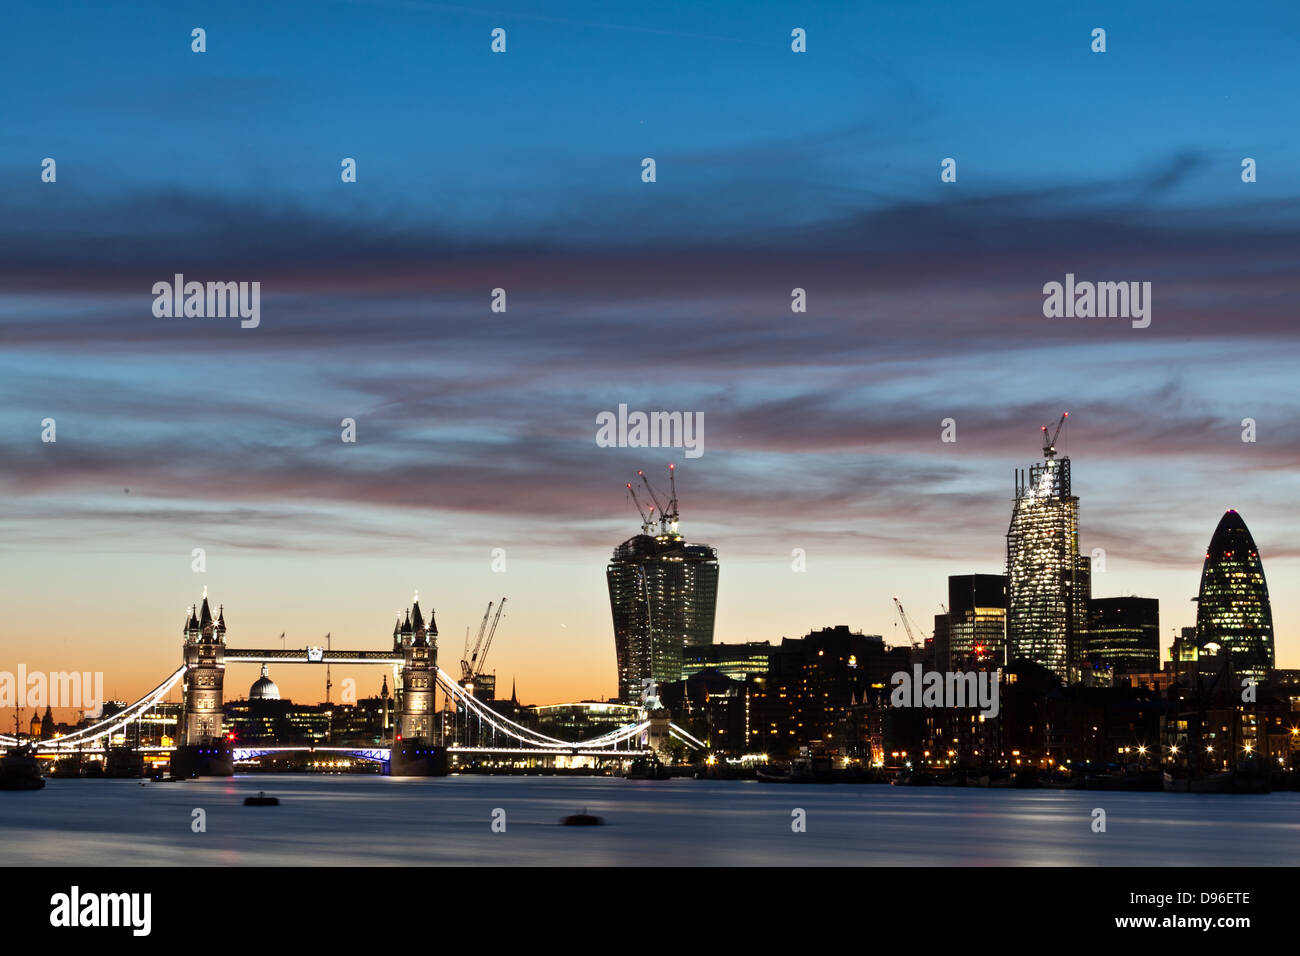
(823, 425)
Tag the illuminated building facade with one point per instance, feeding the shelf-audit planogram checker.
(814, 685)
(977, 621)
(1124, 634)
(1232, 610)
(1048, 581)
(581, 720)
(737, 661)
(663, 593)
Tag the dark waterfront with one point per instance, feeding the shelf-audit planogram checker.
(362, 820)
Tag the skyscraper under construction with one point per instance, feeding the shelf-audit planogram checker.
(663, 593)
(1048, 581)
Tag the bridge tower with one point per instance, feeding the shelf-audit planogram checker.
(413, 751)
(202, 748)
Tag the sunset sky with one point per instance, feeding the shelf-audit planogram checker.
(476, 430)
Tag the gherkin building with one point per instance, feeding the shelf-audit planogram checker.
(1232, 609)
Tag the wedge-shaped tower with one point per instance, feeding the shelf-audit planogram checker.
(663, 592)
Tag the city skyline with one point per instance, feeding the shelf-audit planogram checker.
(303, 679)
(477, 430)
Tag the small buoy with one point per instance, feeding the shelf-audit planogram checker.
(261, 800)
(583, 819)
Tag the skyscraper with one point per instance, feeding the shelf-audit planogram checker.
(1232, 608)
(1124, 633)
(977, 621)
(663, 593)
(1048, 581)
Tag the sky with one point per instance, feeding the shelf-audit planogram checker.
(522, 170)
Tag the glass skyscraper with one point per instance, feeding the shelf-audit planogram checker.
(1048, 581)
(1124, 633)
(663, 593)
(1232, 608)
(977, 621)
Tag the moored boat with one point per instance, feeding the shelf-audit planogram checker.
(647, 769)
(124, 762)
(1225, 781)
(799, 771)
(19, 770)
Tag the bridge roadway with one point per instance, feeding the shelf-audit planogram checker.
(367, 753)
(382, 753)
(309, 655)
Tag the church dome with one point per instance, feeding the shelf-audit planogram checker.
(264, 688)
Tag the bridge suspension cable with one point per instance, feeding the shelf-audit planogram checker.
(110, 725)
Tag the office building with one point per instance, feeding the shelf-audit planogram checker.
(1124, 634)
(1048, 581)
(1232, 611)
(977, 621)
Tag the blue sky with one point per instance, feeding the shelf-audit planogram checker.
(476, 430)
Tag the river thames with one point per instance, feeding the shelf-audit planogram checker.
(365, 820)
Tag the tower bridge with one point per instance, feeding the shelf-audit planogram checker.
(416, 748)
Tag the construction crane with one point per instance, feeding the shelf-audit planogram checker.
(466, 660)
(663, 519)
(647, 518)
(482, 660)
(907, 624)
(668, 514)
(672, 515)
(1049, 444)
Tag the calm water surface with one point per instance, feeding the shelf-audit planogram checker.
(328, 821)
